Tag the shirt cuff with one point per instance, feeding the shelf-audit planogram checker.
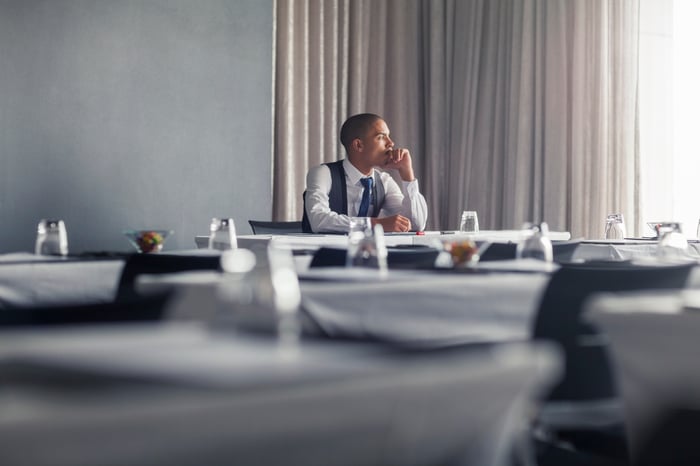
(411, 187)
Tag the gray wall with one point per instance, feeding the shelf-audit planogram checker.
(142, 114)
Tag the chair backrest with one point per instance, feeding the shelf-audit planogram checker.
(562, 251)
(587, 371)
(274, 228)
(138, 264)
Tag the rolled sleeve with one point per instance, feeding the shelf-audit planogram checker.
(405, 200)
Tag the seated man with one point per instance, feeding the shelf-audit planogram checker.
(352, 187)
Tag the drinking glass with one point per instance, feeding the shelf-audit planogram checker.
(615, 227)
(536, 243)
(222, 234)
(469, 222)
(260, 293)
(366, 246)
(51, 238)
(697, 232)
(672, 242)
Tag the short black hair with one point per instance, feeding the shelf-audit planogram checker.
(356, 127)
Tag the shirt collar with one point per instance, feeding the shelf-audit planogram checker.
(354, 175)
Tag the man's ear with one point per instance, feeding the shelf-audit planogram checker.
(357, 145)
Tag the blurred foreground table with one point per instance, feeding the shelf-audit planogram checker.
(182, 394)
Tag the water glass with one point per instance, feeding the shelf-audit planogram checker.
(672, 242)
(469, 222)
(535, 244)
(260, 293)
(222, 234)
(366, 246)
(615, 227)
(51, 238)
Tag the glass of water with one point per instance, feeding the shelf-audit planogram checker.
(51, 238)
(615, 227)
(222, 234)
(672, 242)
(469, 222)
(366, 245)
(535, 244)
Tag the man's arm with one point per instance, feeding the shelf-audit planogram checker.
(405, 200)
(321, 217)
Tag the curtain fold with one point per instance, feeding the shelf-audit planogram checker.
(523, 110)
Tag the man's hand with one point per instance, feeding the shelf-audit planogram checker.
(393, 223)
(400, 159)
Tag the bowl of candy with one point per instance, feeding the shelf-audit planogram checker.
(464, 252)
(147, 241)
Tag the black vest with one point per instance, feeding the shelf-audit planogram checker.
(338, 196)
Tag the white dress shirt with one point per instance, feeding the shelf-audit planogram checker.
(405, 200)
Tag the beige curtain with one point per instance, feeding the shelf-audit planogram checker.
(523, 110)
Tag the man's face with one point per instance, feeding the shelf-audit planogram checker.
(377, 143)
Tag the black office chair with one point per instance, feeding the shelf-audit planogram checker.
(588, 377)
(673, 440)
(274, 228)
(562, 251)
(138, 264)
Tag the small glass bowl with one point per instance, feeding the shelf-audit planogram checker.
(147, 241)
(464, 252)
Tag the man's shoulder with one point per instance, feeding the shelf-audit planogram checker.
(319, 174)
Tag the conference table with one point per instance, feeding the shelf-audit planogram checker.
(188, 393)
(628, 249)
(478, 307)
(29, 280)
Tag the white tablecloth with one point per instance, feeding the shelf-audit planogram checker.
(623, 250)
(405, 307)
(181, 395)
(427, 309)
(654, 346)
(428, 238)
(27, 280)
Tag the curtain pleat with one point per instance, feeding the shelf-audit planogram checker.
(523, 110)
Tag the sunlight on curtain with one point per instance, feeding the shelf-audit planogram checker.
(686, 124)
(669, 102)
